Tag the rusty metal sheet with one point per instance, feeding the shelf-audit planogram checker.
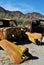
(15, 52)
(34, 36)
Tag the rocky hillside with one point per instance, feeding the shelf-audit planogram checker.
(13, 14)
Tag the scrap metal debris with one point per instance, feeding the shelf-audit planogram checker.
(17, 54)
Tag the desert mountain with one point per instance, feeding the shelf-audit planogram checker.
(8, 14)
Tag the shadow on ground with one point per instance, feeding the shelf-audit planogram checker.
(1, 48)
(42, 43)
(34, 57)
(30, 57)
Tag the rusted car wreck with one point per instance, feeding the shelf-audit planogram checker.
(36, 31)
(10, 30)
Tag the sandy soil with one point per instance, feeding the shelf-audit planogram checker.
(36, 51)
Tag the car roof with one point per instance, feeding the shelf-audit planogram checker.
(6, 19)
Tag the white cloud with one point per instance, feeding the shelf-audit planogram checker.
(19, 6)
(25, 7)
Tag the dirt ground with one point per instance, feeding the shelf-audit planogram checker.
(36, 51)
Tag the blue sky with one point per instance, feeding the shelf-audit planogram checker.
(25, 6)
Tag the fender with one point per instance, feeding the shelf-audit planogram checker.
(16, 53)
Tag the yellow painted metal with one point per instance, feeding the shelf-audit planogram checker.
(33, 36)
(15, 52)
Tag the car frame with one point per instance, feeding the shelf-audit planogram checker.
(8, 31)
